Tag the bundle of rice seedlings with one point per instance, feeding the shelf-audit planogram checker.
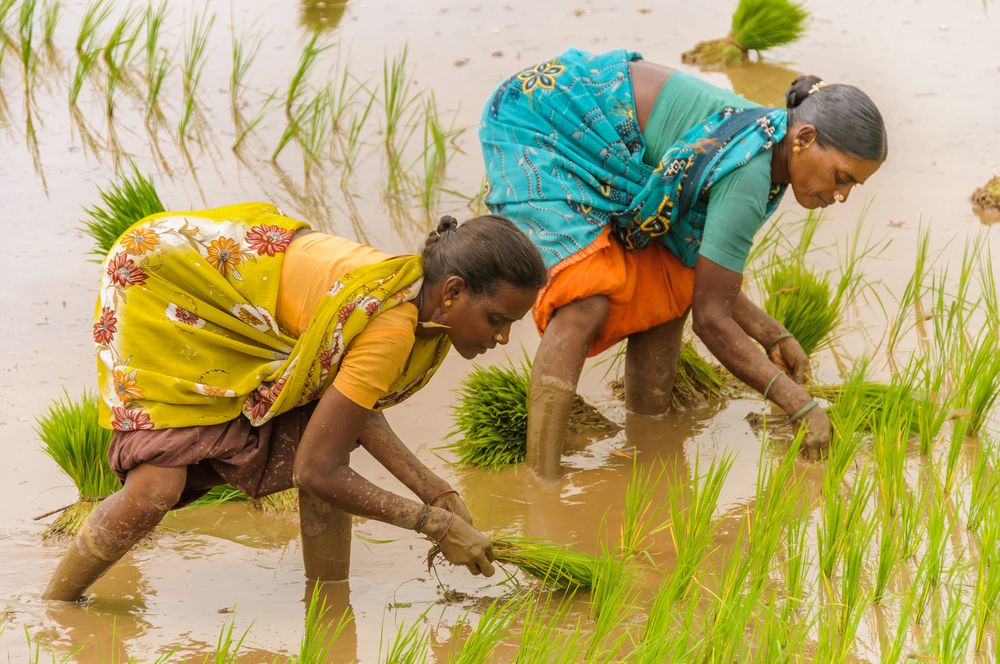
(282, 501)
(124, 203)
(491, 416)
(557, 565)
(698, 380)
(73, 438)
(757, 25)
(868, 401)
(804, 302)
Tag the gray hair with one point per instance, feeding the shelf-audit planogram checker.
(845, 118)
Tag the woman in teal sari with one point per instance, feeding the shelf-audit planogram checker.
(643, 187)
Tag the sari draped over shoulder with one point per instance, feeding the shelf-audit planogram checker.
(564, 159)
(185, 329)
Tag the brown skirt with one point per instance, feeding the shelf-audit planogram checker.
(257, 460)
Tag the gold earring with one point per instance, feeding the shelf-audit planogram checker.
(499, 338)
(796, 148)
(447, 303)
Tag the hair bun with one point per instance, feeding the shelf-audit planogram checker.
(800, 89)
(446, 224)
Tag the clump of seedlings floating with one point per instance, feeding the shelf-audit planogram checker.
(131, 198)
(757, 25)
(72, 436)
(986, 199)
(491, 416)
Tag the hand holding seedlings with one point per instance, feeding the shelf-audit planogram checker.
(459, 542)
(818, 433)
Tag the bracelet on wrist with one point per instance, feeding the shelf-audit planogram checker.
(425, 511)
(802, 411)
(451, 520)
(772, 344)
(773, 380)
(441, 495)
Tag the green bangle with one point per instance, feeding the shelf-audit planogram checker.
(771, 382)
(768, 347)
(425, 511)
(802, 411)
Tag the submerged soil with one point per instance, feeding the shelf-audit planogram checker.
(207, 566)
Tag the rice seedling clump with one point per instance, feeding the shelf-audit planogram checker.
(491, 417)
(125, 202)
(757, 25)
(697, 380)
(558, 565)
(803, 302)
(72, 436)
(987, 197)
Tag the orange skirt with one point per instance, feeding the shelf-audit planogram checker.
(645, 287)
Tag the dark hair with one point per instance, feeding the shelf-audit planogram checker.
(845, 118)
(486, 252)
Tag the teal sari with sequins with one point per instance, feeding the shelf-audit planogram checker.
(564, 158)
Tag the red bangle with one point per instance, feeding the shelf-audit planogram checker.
(451, 520)
(443, 493)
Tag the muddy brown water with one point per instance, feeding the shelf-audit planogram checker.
(933, 68)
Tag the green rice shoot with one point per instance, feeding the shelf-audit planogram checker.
(804, 302)
(131, 198)
(72, 437)
(870, 399)
(491, 417)
(762, 24)
(757, 25)
(557, 565)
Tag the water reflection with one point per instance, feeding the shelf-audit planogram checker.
(320, 15)
(337, 622)
(761, 82)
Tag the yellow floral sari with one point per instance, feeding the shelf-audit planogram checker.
(185, 328)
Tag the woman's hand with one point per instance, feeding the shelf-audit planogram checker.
(452, 502)
(460, 543)
(818, 433)
(788, 356)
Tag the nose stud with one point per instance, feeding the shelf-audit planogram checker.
(499, 338)
(839, 197)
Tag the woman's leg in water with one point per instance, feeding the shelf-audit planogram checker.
(121, 520)
(555, 373)
(326, 538)
(651, 366)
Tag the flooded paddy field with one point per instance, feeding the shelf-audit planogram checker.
(934, 71)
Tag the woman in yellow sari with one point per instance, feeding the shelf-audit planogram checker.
(236, 345)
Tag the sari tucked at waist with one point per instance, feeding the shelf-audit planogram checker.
(564, 158)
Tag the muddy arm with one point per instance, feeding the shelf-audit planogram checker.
(754, 321)
(721, 316)
(321, 467)
(382, 443)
